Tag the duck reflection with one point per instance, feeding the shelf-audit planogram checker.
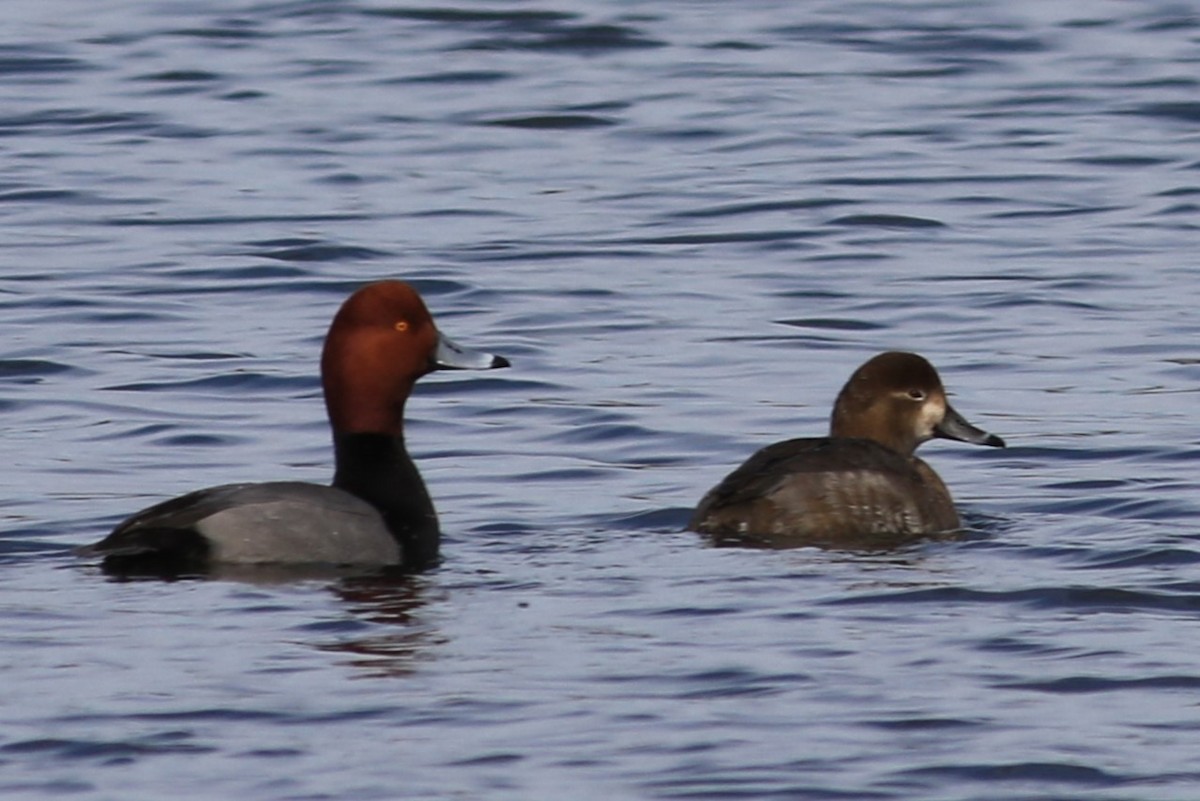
(398, 637)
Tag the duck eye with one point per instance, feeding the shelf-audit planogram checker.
(401, 326)
(916, 394)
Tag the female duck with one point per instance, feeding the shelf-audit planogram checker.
(377, 512)
(860, 484)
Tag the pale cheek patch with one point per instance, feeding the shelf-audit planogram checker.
(931, 414)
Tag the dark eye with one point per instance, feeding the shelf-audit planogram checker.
(917, 394)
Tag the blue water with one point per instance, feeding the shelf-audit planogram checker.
(685, 223)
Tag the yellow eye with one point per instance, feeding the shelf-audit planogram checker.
(401, 325)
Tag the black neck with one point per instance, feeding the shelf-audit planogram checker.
(377, 468)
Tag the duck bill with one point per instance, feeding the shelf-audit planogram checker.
(955, 426)
(449, 355)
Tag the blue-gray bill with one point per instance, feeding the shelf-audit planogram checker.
(452, 356)
(955, 426)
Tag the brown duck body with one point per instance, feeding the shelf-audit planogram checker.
(827, 490)
(861, 485)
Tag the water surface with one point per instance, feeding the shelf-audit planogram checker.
(685, 226)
